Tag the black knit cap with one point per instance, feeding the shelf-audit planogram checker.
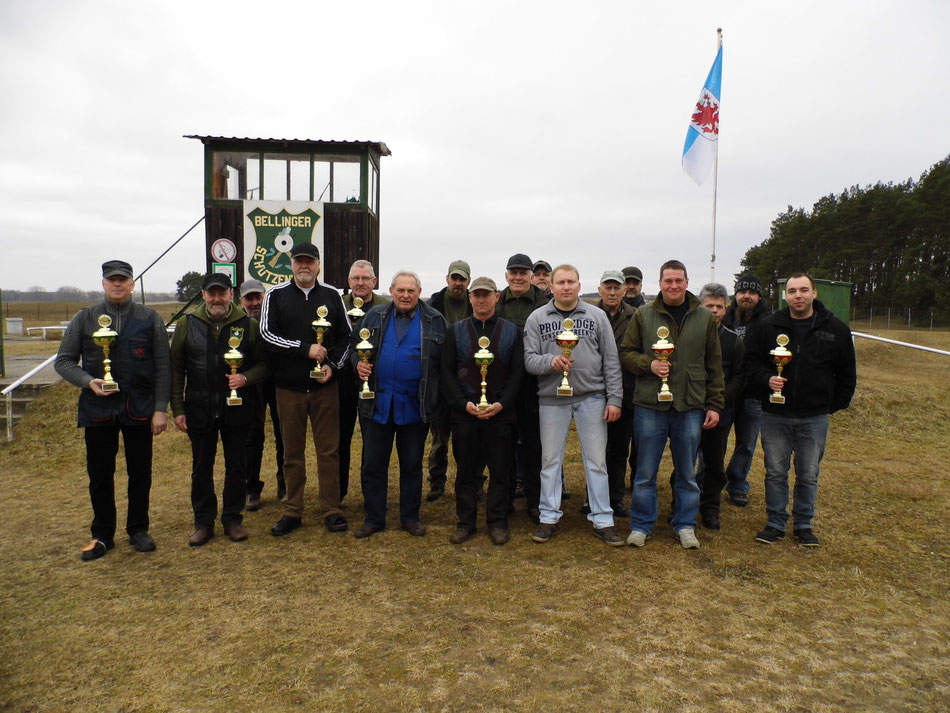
(750, 283)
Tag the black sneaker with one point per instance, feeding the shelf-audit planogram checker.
(610, 536)
(806, 537)
(770, 535)
(335, 522)
(142, 541)
(96, 549)
(740, 500)
(545, 531)
(286, 525)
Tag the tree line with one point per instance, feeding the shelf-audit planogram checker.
(891, 241)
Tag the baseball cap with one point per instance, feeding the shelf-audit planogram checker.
(612, 276)
(216, 279)
(250, 287)
(541, 263)
(460, 267)
(483, 283)
(634, 272)
(305, 250)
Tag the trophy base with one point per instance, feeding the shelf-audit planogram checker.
(235, 401)
(367, 394)
(109, 386)
(565, 390)
(664, 396)
(318, 375)
(482, 408)
(776, 399)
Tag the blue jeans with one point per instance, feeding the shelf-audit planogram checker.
(748, 417)
(651, 430)
(782, 435)
(588, 416)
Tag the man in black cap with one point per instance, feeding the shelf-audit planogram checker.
(516, 302)
(201, 384)
(748, 309)
(633, 281)
(541, 276)
(252, 297)
(452, 302)
(287, 315)
(140, 366)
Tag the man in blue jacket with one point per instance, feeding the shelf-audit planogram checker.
(819, 380)
(407, 337)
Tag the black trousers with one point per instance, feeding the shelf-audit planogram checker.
(254, 451)
(441, 430)
(529, 436)
(203, 449)
(711, 475)
(377, 448)
(619, 438)
(102, 445)
(350, 386)
(473, 444)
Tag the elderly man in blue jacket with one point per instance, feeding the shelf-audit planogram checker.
(407, 337)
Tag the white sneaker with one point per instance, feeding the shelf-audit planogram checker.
(688, 538)
(637, 538)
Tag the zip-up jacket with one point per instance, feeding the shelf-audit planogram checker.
(199, 372)
(432, 334)
(596, 368)
(733, 353)
(695, 379)
(438, 299)
(140, 364)
(286, 318)
(619, 323)
(822, 373)
(730, 319)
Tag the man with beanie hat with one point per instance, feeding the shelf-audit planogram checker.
(748, 309)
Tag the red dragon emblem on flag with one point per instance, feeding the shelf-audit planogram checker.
(705, 118)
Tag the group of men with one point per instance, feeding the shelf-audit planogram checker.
(498, 374)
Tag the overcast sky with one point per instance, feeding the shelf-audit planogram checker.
(550, 128)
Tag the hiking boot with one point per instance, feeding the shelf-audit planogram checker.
(544, 532)
(687, 538)
(806, 537)
(637, 538)
(462, 534)
(609, 535)
(770, 535)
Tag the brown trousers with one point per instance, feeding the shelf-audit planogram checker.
(321, 409)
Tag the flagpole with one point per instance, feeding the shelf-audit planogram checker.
(712, 263)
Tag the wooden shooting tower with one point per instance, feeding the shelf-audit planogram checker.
(262, 196)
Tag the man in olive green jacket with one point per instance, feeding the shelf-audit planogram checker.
(695, 380)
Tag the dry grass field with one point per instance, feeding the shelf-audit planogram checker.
(319, 622)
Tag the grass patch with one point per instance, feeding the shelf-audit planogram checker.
(320, 621)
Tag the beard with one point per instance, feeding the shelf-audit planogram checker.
(744, 311)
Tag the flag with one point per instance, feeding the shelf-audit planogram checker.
(702, 136)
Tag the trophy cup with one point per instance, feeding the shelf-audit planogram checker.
(782, 356)
(357, 313)
(663, 350)
(104, 337)
(320, 326)
(234, 359)
(364, 350)
(483, 359)
(567, 340)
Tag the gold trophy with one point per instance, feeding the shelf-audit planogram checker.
(320, 326)
(234, 359)
(567, 340)
(663, 350)
(364, 350)
(483, 359)
(104, 337)
(782, 356)
(357, 313)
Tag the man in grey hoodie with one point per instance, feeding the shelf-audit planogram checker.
(593, 369)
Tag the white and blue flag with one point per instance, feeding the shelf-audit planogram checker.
(702, 136)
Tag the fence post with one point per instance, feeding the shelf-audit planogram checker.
(888, 317)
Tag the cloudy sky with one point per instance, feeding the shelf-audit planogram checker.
(550, 128)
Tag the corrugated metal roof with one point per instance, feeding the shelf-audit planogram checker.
(378, 146)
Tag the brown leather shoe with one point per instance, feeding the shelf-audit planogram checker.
(200, 537)
(416, 529)
(236, 532)
(365, 530)
(461, 535)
